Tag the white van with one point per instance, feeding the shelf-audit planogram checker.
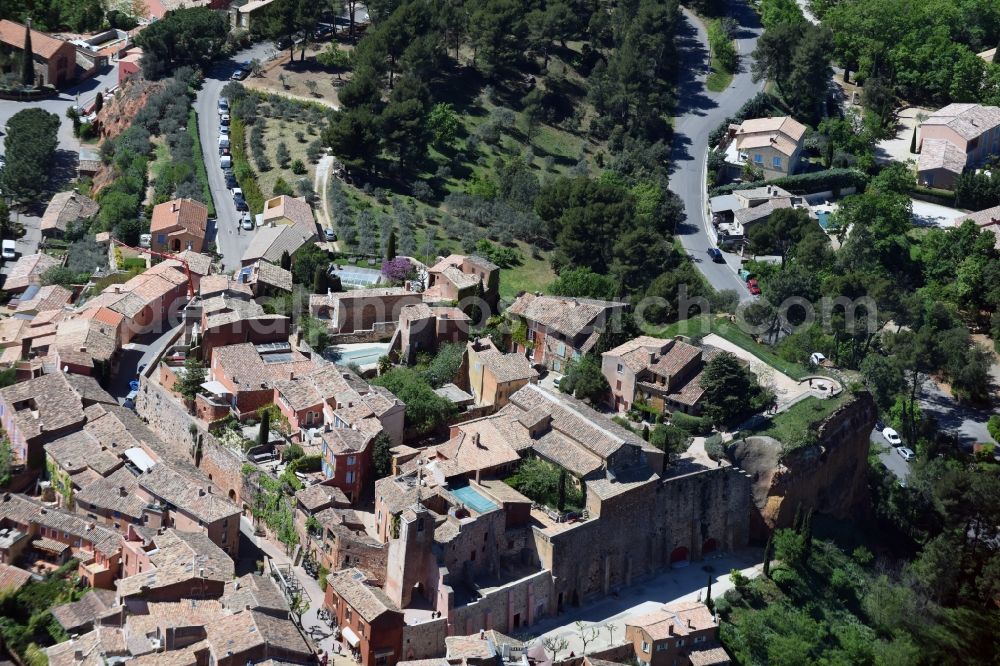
(9, 249)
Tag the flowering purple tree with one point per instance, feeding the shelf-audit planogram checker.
(396, 270)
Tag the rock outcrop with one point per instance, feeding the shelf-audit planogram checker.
(829, 476)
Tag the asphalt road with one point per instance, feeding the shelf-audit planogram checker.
(889, 456)
(699, 112)
(965, 422)
(230, 243)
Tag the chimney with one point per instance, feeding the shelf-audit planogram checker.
(91, 526)
(201, 573)
(122, 492)
(482, 634)
(173, 207)
(475, 439)
(670, 629)
(291, 374)
(201, 492)
(690, 624)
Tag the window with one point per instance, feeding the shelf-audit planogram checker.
(161, 238)
(680, 643)
(620, 367)
(776, 162)
(645, 646)
(758, 159)
(347, 614)
(351, 460)
(350, 477)
(618, 385)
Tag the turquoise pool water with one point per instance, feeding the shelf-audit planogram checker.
(824, 219)
(472, 499)
(363, 355)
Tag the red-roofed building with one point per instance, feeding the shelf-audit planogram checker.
(179, 225)
(54, 59)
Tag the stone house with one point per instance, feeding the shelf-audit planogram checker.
(376, 310)
(955, 138)
(685, 633)
(423, 329)
(54, 59)
(494, 376)
(179, 225)
(228, 320)
(773, 145)
(460, 276)
(64, 208)
(661, 374)
(369, 621)
(28, 270)
(561, 329)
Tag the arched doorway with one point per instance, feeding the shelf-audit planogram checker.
(679, 557)
(232, 494)
(708, 547)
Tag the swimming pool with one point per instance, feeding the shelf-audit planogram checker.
(824, 218)
(468, 496)
(360, 354)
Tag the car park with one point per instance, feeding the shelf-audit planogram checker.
(753, 287)
(906, 454)
(892, 436)
(716, 255)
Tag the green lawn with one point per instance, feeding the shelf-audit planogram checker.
(721, 326)
(718, 80)
(532, 275)
(796, 426)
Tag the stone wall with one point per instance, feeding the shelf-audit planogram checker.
(507, 609)
(381, 332)
(424, 640)
(829, 476)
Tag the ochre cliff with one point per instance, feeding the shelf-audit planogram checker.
(829, 476)
(117, 115)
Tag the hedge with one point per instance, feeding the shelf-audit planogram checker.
(694, 425)
(199, 161)
(806, 183)
(244, 173)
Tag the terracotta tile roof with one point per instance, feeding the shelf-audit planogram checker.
(253, 592)
(940, 154)
(189, 495)
(967, 120)
(12, 578)
(80, 450)
(24, 511)
(264, 272)
(468, 647)
(251, 371)
(716, 656)
(988, 219)
(180, 215)
(95, 338)
(748, 215)
(104, 315)
(95, 646)
(51, 297)
(507, 367)
(42, 45)
(782, 133)
(177, 557)
(78, 614)
(270, 242)
(285, 209)
(198, 263)
(66, 207)
(569, 316)
(46, 403)
(477, 446)
(116, 492)
(28, 269)
(677, 615)
(217, 284)
(346, 440)
(368, 601)
(253, 630)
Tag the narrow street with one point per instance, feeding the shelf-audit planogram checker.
(230, 241)
(698, 113)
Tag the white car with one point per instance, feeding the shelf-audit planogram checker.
(246, 223)
(906, 454)
(223, 106)
(892, 437)
(223, 130)
(237, 192)
(9, 249)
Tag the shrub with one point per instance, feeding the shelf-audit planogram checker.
(993, 425)
(695, 425)
(298, 167)
(242, 170)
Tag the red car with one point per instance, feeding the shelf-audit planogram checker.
(753, 286)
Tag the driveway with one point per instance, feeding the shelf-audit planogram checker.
(966, 422)
(785, 388)
(230, 241)
(888, 456)
(606, 618)
(699, 112)
(926, 214)
(897, 149)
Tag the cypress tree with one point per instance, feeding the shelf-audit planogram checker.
(768, 551)
(561, 505)
(264, 434)
(913, 142)
(390, 246)
(807, 533)
(28, 58)
(708, 594)
(98, 102)
(286, 260)
(645, 432)
(797, 519)
(320, 283)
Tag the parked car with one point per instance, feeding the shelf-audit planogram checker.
(241, 204)
(716, 255)
(906, 454)
(231, 182)
(879, 425)
(224, 120)
(223, 143)
(130, 400)
(330, 234)
(227, 162)
(892, 436)
(753, 287)
(246, 222)
(9, 249)
(237, 193)
(223, 130)
(241, 73)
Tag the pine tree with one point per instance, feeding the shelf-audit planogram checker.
(913, 142)
(390, 246)
(264, 434)
(286, 260)
(768, 551)
(98, 102)
(28, 58)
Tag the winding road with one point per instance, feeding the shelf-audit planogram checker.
(699, 111)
